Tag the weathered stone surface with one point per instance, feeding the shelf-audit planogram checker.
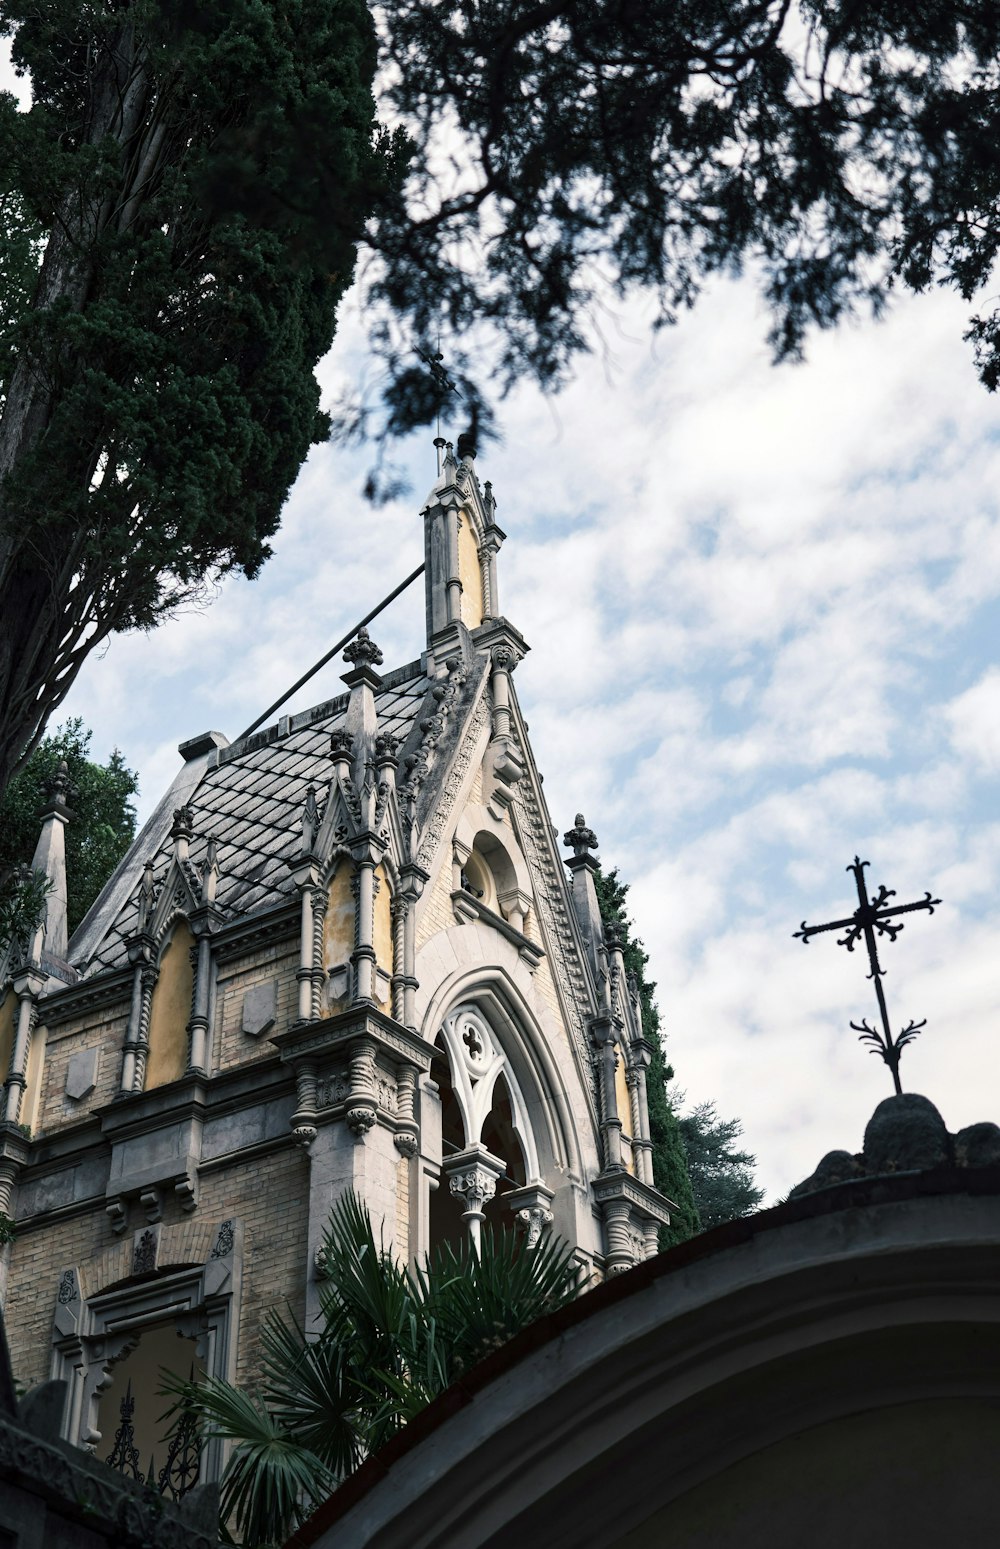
(978, 1145)
(81, 1073)
(836, 1167)
(260, 1007)
(905, 1132)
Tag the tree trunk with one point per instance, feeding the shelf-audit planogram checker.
(47, 621)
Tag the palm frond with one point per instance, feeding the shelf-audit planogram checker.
(272, 1481)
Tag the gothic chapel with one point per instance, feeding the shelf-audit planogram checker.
(344, 953)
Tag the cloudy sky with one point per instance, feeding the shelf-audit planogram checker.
(761, 603)
(761, 609)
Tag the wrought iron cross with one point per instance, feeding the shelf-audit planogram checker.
(870, 919)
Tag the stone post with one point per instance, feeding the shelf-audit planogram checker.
(472, 1177)
(198, 1025)
(363, 956)
(602, 1033)
(27, 988)
(305, 969)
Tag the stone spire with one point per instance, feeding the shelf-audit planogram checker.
(50, 857)
(361, 720)
(582, 864)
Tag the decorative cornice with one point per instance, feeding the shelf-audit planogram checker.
(88, 995)
(642, 1196)
(331, 1035)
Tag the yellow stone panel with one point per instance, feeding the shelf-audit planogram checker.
(338, 926)
(33, 1079)
(624, 1113)
(171, 1010)
(470, 575)
(382, 940)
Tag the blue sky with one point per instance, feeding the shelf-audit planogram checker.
(762, 608)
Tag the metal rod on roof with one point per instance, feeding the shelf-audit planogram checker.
(331, 652)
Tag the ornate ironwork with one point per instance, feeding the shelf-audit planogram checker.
(125, 1453)
(179, 1473)
(870, 919)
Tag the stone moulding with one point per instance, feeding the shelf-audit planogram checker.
(467, 907)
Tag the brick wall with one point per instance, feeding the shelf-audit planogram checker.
(269, 1194)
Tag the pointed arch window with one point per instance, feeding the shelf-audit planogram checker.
(489, 1148)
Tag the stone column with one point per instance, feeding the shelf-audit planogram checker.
(399, 913)
(504, 662)
(361, 1103)
(198, 1025)
(149, 977)
(472, 1177)
(305, 969)
(363, 956)
(602, 1034)
(131, 1045)
(27, 988)
(616, 1221)
(304, 1117)
(407, 1132)
(642, 1144)
(319, 900)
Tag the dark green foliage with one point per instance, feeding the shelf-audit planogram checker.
(390, 1342)
(22, 905)
(103, 825)
(204, 173)
(670, 1172)
(844, 145)
(722, 1177)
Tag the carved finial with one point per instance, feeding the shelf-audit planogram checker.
(59, 791)
(580, 838)
(385, 748)
(147, 896)
(488, 500)
(362, 651)
(182, 832)
(310, 820)
(341, 744)
(467, 444)
(210, 872)
(183, 824)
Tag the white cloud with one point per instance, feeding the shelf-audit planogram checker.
(974, 721)
(756, 601)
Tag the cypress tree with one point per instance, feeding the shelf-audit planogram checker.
(203, 170)
(670, 1170)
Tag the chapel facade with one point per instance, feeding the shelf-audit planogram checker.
(343, 953)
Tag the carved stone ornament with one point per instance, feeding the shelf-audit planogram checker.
(341, 744)
(580, 838)
(144, 1254)
(362, 651)
(406, 1143)
(225, 1240)
(476, 1186)
(360, 1120)
(67, 1292)
(533, 1221)
(183, 824)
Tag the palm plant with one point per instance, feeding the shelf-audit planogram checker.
(390, 1341)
